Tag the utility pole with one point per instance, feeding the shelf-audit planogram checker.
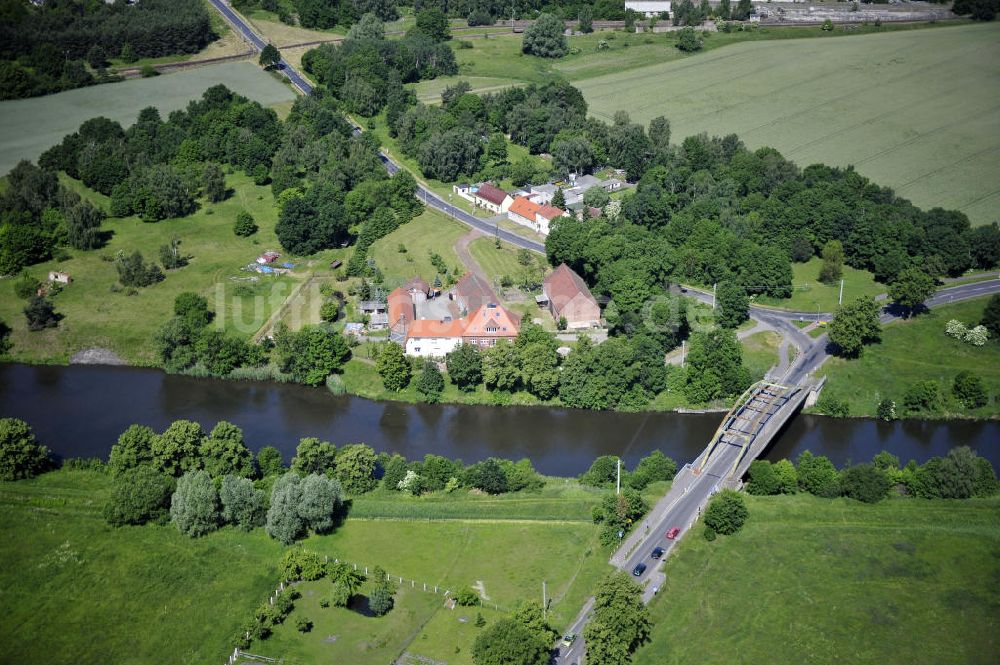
(545, 603)
(714, 286)
(683, 349)
(618, 484)
(840, 299)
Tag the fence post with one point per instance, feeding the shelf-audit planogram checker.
(366, 570)
(425, 586)
(413, 584)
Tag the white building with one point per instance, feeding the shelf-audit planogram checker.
(648, 7)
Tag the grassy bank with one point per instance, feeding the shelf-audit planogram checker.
(79, 591)
(917, 350)
(834, 581)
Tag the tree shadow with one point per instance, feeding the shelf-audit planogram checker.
(361, 605)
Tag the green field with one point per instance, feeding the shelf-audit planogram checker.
(811, 580)
(811, 295)
(916, 350)
(95, 316)
(497, 262)
(28, 127)
(77, 590)
(760, 352)
(431, 231)
(913, 110)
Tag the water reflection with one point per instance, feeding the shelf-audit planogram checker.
(79, 411)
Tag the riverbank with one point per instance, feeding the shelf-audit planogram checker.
(95, 404)
(832, 581)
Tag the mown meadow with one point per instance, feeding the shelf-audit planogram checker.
(833, 581)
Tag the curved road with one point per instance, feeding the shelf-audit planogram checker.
(423, 193)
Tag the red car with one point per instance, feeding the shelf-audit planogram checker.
(673, 533)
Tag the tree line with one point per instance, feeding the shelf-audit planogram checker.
(961, 474)
(43, 47)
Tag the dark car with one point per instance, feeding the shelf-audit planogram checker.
(657, 552)
(673, 532)
(639, 570)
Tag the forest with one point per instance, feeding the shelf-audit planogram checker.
(46, 48)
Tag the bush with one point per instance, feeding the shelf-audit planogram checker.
(865, 483)
(20, 454)
(922, 396)
(831, 406)
(969, 389)
(467, 597)
(245, 225)
(710, 534)
(726, 513)
(763, 480)
(139, 495)
(26, 286)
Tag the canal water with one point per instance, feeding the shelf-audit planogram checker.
(79, 411)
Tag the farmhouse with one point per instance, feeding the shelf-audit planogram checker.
(569, 297)
(403, 307)
(545, 215)
(471, 292)
(492, 198)
(648, 8)
(61, 277)
(484, 327)
(535, 216)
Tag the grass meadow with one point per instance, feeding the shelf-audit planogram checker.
(28, 127)
(97, 316)
(913, 110)
(811, 580)
(77, 590)
(432, 231)
(497, 263)
(811, 295)
(760, 352)
(917, 350)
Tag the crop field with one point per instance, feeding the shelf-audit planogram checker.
(917, 350)
(811, 580)
(918, 111)
(28, 127)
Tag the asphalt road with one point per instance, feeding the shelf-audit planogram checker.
(427, 196)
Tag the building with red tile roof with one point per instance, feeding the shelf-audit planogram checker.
(472, 292)
(491, 197)
(569, 297)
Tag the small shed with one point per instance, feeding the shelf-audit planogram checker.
(61, 277)
(268, 257)
(336, 264)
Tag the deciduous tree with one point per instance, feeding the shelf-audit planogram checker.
(545, 37)
(393, 367)
(21, 456)
(194, 507)
(855, 325)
